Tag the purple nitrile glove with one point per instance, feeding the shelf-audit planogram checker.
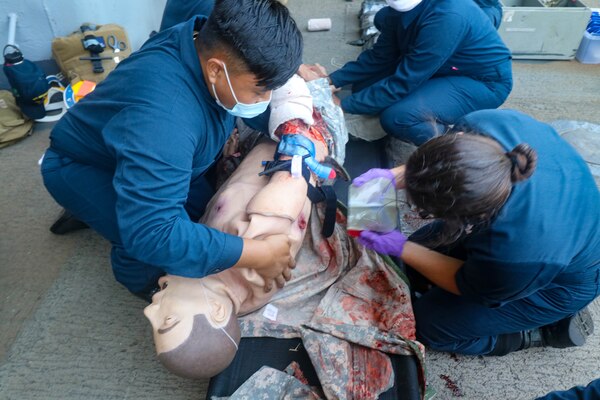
(373, 174)
(391, 243)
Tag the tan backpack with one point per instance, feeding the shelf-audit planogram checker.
(13, 124)
(67, 51)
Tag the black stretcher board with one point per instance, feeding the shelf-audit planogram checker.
(255, 352)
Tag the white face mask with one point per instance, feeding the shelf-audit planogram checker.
(403, 5)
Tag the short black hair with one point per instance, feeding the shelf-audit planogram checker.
(261, 33)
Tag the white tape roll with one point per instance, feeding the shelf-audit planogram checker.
(319, 24)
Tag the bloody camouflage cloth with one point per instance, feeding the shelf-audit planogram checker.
(350, 306)
(364, 315)
(271, 384)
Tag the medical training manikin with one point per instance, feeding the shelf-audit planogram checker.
(194, 322)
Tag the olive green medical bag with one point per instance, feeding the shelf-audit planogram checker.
(13, 124)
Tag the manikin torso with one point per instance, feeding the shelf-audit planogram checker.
(252, 206)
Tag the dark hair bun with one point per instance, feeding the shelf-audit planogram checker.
(524, 161)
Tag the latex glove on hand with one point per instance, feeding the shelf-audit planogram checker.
(391, 243)
(395, 175)
(374, 173)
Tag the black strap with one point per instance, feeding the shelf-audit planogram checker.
(330, 210)
(327, 194)
(14, 57)
(97, 65)
(315, 194)
(95, 46)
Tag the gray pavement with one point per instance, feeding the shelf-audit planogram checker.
(69, 331)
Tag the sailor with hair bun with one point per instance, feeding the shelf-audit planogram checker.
(512, 258)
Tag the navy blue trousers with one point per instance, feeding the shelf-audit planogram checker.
(440, 102)
(589, 392)
(87, 192)
(450, 323)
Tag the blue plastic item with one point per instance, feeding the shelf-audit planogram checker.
(292, 145)
(589, 48)
(593, 27)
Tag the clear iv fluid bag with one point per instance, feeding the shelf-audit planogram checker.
(373, 206)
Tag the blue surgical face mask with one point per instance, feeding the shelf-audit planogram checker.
(242, 110)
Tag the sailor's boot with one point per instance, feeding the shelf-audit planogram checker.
(67, 223)
(568, 332)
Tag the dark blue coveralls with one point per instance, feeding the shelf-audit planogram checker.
(429, 67)
(493, 9)
(538, 261)
(177, 11)
(129, 161)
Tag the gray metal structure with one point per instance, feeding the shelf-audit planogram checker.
(532, 31)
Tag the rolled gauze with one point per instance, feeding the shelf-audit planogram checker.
(319, 24)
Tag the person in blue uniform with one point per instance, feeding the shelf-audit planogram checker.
(493, 9)
(589, 392)
(434, 62)
(515, 252)
(177, 11)
(129, 159)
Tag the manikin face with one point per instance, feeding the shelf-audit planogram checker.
(173, 309)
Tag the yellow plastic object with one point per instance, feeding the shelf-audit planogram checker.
(77, 91)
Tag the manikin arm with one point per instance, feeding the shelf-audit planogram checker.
(255, 206)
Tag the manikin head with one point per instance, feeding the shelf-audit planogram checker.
(196, 332)
(247, 48)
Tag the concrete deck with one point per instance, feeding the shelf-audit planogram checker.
(69, 331)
